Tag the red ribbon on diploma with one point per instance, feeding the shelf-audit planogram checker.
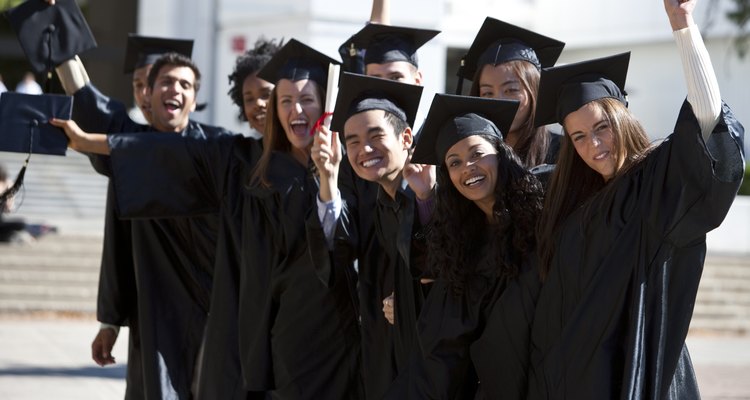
(319, 122)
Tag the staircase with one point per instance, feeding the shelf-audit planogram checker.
(57, 273)
(723, 302)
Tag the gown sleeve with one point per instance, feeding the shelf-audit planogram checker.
(159, 175)
(691, 183)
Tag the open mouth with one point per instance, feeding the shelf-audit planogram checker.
(474, 181)
(172, 105)
(601, 156)
(299, 127)
(371, 162)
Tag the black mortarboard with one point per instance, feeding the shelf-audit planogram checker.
(359, 93)
(25, 128)
(144, 50)
(24, 123)
(50, 35)
(296, 61)
(387, 43)
(498, 42)
(452, 118)
(567, 88)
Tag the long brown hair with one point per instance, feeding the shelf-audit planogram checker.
(533, 143)
(573, 182)
(274, 137)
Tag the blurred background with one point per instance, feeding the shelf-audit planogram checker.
(49, 274)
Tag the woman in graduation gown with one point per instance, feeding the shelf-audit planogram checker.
(623, 231)
(297, 338)
(504, 62)
(475, 323)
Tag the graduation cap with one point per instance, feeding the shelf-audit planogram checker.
(498, 42)
(145, 50)
(567, 88)
(25, 127)
(388, 43)
(360, 93)
(452, 118)
(50, 34)
(296, 61)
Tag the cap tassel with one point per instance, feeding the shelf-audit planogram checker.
(460, 74)
(48, 83)
(11, 191)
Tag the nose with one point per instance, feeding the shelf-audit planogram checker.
(595, 140)
(367, 148)
(260, 103)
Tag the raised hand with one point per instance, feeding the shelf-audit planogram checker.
(326, 154)
(680, 13)
(421, 178)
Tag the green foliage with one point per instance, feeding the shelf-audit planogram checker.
(740, 16)
(745, 188)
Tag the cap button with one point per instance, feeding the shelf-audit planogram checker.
(51, 28)
(35, 122)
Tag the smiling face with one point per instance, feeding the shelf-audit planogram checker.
(593, 139)
(501, 82)
(255, 95)
(298, 107)
(140, 90)
(400, 71)
(172, 98)
(375, 151)
(472, 167)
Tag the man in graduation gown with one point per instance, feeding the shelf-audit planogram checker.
(172, 258)
(378, 149)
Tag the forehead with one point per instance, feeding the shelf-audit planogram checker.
(178, 72)
(360, 123)
(252, 82)
(141, 73)
(497, 74)
(466, 144)
(403, 67)
(286, 87)
(588, 115)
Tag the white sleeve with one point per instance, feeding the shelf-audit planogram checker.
(703, 88)
(72, 75)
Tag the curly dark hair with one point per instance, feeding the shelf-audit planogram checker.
(247, 64)
(459, 229)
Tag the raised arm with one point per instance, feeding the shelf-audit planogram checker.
(703, 88)
(84, 142)
(381, 12)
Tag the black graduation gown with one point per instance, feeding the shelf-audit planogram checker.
(193, 177)
(116, 295)
(299, 337)
(481, 335)
(357, 243)
(294, 336)
(613, 313)
(398, 229)
(122, 274)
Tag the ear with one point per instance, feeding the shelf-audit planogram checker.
(418, 78)
(195, 104)
(407, 137)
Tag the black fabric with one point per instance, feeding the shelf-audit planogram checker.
(145, 50)
(567, 88)
(156, 274)
(452, 118)
(50, 35)
(274, 326)
(614, 311)
(24, 123)
(481, 336)
(359, 93)
(388, 43)
(498, 42)
(297, 61)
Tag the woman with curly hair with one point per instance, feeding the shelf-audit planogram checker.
(504, 62)
(474, 324)
(249, 92)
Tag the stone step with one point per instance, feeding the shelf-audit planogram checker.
(32, 305)
(53, 261)
(41, 277)
(63, 293)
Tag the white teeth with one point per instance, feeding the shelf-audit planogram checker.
(172, 103)
(370, 163)
(601, 156)
(473, 180)
(298, 122)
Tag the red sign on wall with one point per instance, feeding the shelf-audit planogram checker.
(238, 44)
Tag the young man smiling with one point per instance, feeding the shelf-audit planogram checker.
(374, 116)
